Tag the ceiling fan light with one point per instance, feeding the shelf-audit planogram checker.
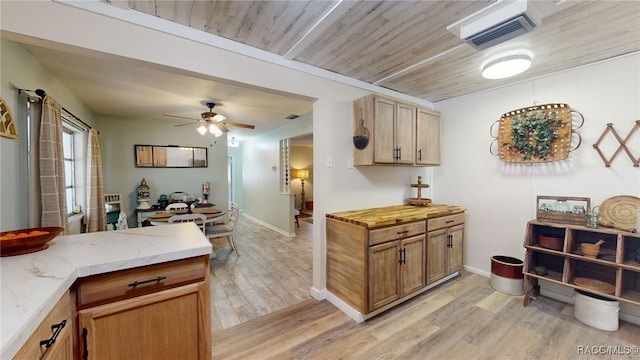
(215, 130)
(506, 66)
(219, 118)
(202, 130)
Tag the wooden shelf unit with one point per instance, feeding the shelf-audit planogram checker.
(615, 263)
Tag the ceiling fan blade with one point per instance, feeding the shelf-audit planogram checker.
(181, 117)
(188, 124)
(240, 125)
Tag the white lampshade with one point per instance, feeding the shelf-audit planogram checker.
(202, 130)
(506, 66)
(215, 130)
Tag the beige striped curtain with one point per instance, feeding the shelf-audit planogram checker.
(52, 184)
(96, 217)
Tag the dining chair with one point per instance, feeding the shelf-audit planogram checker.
(177, 206)
(181, 218)
(227, 230)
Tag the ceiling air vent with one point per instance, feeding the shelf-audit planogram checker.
(501, 21)
(501, 32)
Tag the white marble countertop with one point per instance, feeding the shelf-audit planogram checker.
(32, 284)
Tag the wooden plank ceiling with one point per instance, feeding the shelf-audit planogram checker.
(405, 45)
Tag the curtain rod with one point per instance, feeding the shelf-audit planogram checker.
(41, 93)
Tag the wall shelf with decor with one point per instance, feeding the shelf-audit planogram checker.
(614, 272)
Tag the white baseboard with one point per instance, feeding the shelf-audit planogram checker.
(359, 317)
(470, 269)
(318, 294)
(285, 233)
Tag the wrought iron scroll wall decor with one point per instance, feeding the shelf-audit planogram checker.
(622, 142)
(540, 133)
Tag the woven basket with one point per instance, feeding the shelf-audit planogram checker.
(560, 146)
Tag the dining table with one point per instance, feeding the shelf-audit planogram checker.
(162, 217)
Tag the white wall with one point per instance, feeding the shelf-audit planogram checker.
(262, 197)
(18, 69)
(117, 139)
(501, 197)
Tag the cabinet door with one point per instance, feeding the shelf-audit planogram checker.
(456, 234)
(165, 325)
(63, 347)
(384, 274)
(384, 119)
(57, 328)
(413, 266)
(405, 133)
(427, 138)
(436, 255)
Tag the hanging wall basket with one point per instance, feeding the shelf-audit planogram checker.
(540, 133)
(361, 136)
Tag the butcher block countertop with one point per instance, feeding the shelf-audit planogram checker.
(391, 215)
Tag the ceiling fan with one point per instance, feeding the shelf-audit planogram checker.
(212, 122)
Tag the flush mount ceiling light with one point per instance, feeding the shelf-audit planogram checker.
(506, 66)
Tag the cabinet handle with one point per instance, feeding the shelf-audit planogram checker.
(402, 232)
(85, 351)
(420, 155)
(396, 154)
(50, 341)
(449, 241)
(157, 279)
(449, 221)
(399, 153)
(403, 255)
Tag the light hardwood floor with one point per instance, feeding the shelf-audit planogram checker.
(272, 272)
(262, 310)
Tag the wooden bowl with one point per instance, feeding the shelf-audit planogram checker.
(590, 250)
(24, 241)
(550, 242)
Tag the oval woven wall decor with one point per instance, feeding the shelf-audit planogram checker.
(619, 212)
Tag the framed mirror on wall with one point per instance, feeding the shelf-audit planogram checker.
(170, 156)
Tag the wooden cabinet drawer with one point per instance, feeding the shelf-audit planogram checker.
(445, 221)
(119, 285)
(379, 236)
(60, 312)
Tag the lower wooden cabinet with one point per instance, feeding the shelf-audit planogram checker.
(445, 240)
(396, 269)
(374, 260)
(154, 312)
(53, 339)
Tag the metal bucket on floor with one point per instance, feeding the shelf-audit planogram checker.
(506, 275)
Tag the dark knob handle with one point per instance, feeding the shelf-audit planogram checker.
(136, 283)
(56, 328)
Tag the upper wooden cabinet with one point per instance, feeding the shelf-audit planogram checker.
(400, 133)
(427, 137)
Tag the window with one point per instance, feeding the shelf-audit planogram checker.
(69, 169)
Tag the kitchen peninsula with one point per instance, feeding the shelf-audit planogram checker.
(91, 274)
(379, 257)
